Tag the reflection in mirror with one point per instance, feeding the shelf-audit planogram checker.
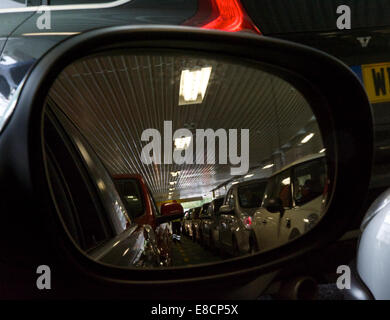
(164, 159)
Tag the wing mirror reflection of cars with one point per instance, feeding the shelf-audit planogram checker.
(275, 205)
(321, 80)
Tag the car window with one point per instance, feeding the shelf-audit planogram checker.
(155, 210)
(131, 194)
(230, 198)
(10, 4)
(309, 181)
(251, 195)
(279, 186)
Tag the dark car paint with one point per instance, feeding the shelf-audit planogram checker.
(27, 49)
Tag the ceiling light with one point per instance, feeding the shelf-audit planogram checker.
(193, 85)
(171, 189)
(286, 181)
(249, 175)
(307, 138)
(182, 143)
(234, 182)
(172, 183)
(268, 166)
(322, 150)
(175, 173)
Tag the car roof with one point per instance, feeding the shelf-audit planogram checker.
(299, 161)
(243, 183)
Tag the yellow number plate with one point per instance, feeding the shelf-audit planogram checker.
(376, 79)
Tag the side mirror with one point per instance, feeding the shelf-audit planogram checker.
(171, 208)
(275, 205)
(225, 209)
(164, 219)
(67, 146)
(169, 212)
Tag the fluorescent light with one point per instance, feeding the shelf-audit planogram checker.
(307, 138)
(322, 150)
(193, 85)
(172, 183)
(234, 182)
(171, 189)
(268, 166)
(182, 143)
(286, 181)
(174, 174)
(249, 175)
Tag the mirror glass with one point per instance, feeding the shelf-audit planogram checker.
(171, 159)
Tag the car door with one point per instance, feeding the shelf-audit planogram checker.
(269, 224)
(226, 220)
(309, 180)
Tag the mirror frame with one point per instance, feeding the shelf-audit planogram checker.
(309, 70)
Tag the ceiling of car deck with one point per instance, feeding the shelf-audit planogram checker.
(112, 99)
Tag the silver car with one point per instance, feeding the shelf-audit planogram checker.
(235, 221)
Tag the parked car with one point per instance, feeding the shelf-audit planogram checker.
(209, 224)
(141, 206)
(202, 215)
(292, 203)
(236, 213)
(195, 224)
(186, 224)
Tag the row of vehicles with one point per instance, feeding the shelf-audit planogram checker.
(260, 214)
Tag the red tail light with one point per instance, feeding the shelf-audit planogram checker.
(248, 221)
(226, 15)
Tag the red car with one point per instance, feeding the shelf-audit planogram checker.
(142, 208)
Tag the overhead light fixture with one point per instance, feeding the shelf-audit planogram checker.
(268, 166)
(307, 138)
(234, 182)
(249, 175)
(182, 143)
(193, 85)
(174, 173)
(322, 150)
(171, 189)
(286, 181)
(172, 183)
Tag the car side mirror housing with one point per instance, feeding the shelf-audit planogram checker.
(275, 205)
(225, 209)
(170, 211)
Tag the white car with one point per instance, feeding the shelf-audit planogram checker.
(292, 203)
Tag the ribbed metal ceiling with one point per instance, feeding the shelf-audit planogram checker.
(114, 98)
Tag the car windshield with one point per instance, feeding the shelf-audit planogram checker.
(251, 195)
